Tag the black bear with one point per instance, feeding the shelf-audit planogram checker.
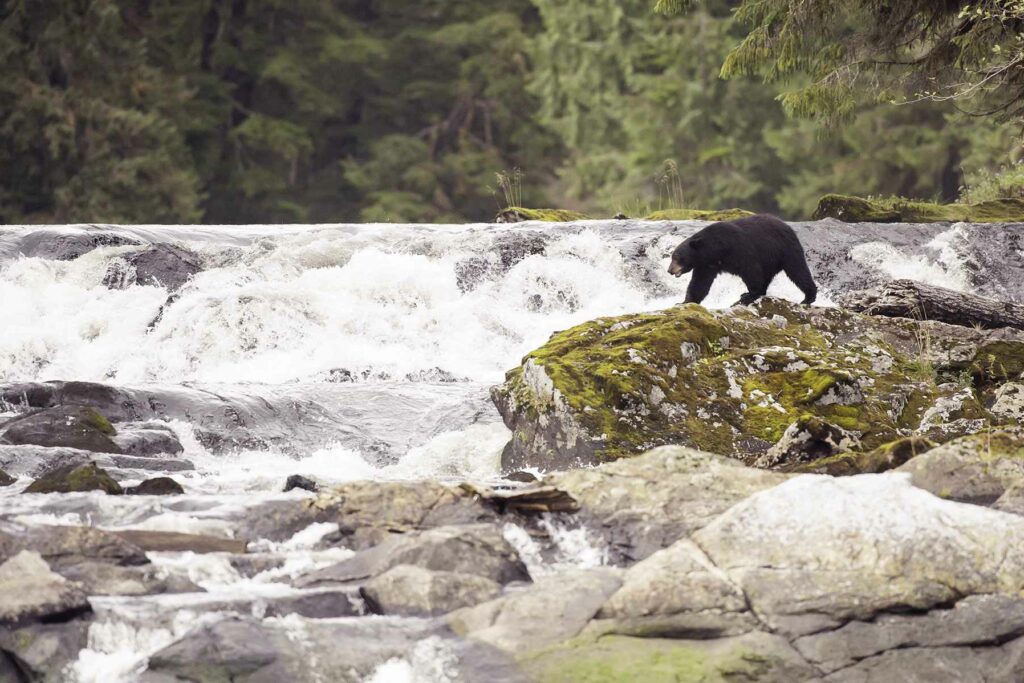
(755, 248)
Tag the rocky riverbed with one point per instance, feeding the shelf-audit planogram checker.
(242, 457)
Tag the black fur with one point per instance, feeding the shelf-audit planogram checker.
(756, 248)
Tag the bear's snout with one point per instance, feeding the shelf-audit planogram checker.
(675, 269)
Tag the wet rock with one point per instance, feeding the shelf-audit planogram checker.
(65, 245)
(478, 549)
(297, 481)
(640, 505)
(35, 461)
(368, 513)
(173, 541)
(102, 578)
(74, 478)
(924, 552)
(157, 486)
(234, 649)
(975, 469)
(318, 604)
(731, 382)
(522, 476)
(676, 593)
(30, 592)
(159, 265)
(806, 440)
(927, 664)
(148, 439)
(1009, 402)
(975, 620)
(6, 479)
(751, 657)
(42, 651)
(80, 427)
(552, 610)
(407, 590)
(62, 546)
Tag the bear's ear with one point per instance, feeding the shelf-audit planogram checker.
(695, 241)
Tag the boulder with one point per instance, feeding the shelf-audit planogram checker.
(318, 604)
(80, 427)
(103, 578)
(961, 664)
(75, 478)
(732, 382)
(552, 610)
(477, 549)
(640, 505)
(30, 592)
(234, 649)
(807, 440)
(6, 479)
(1008, 405)
(978, 469)
(63, 546)
(676, 593)
(43, 651)
(407, 590)
(148, 439)
(157, 486)
(899, 210)
(158, 265)
(816, 552)
(68, 244)
(884, 458)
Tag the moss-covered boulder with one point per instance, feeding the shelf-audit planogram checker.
(733, 382)
(882, 459)
(70, 426)
(518, 214)
(697, 215)
(898, 210)
(75, 478)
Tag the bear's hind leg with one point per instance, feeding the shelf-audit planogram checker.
(797, 271)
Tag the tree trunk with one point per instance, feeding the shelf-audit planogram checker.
(911, 299)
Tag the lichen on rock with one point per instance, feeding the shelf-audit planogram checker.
(733, 382)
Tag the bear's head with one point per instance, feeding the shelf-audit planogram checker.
(687, 255)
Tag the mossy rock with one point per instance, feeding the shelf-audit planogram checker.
(882, 459)
(621, 659)
(897, 210)
(517, 214)
(732, 382)
(70, 426)
(697, 215)
(75, 478)
(157, 486)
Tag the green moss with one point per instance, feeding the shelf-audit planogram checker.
(516, 214)
(75, 478)
(697, 215)
(623, 659)
(96, 419)
(882, 459)
(899, 210)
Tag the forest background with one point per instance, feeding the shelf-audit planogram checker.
(265, 111)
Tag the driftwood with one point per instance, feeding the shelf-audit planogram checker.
(911, 299)
(531, 499)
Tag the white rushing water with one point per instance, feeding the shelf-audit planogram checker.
(415, 322)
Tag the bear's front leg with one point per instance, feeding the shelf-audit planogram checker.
(700, 285)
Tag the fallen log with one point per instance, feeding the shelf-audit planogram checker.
(912, 299)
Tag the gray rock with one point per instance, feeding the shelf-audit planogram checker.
(159, 265)
(478, 549)
(80, 427)
(63, 546)
(147, 439)
(407, 590)
(646, 503)
(6, 479)
(33, 461)
(65, 245)
(939, 665)
(297, 481)
(103, 578)
(975, 620)
(552, 610)
(818, 551)
(41, 652)
(318, 604)
(676, 593)
(1009, 402)
(978, 469)
(806, 440)
(75, 478)
(227, 651)
(30, 592)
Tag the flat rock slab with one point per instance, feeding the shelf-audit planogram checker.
(816, 551)
(67, 545)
